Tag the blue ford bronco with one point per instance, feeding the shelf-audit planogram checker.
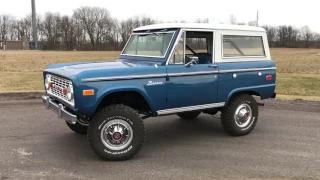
(164, 69)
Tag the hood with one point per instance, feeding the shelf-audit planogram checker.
(100, 68)
(72, 69)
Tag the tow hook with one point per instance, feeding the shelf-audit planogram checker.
(260, 104)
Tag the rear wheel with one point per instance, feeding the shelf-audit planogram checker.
(116, 132)
(189, 115)
(240, 116)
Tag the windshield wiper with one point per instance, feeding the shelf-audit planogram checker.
(158, 34)
(153, 33)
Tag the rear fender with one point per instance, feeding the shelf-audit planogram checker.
(263, 91)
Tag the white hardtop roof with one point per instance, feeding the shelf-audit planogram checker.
(200, 26)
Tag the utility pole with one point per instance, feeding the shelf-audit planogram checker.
(257, 18)
(34, 25)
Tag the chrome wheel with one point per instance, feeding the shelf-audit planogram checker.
(116, 134)
(243, 115)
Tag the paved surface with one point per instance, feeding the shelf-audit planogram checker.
(285, 145)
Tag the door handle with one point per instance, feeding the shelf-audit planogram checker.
(213, 65)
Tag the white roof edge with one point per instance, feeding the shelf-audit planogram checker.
(200, 26)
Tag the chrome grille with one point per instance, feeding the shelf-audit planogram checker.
(58, 84)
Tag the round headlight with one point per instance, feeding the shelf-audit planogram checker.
(48, 82)
(70, 92)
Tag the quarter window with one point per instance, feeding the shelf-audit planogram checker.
(235, 45)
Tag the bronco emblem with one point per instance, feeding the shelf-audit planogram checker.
(150, 83)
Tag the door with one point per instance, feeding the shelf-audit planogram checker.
(192, 74)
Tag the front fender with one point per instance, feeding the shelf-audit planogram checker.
(102, 94)
(91, 103)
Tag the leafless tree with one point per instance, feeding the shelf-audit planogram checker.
(127, 26)
(113, 37)
(26, 29)
(233, 19)
(202, 20)
(6, 22)
(95, 21)
(252, 23)
(306, 35)
(52, 29)
(146, 21)
(271, 34)
(317, 40)
(68, 32)
(92, 28)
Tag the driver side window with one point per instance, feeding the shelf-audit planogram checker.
(193, 44)
(178, 52)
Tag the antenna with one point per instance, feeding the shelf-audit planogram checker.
(34, 25)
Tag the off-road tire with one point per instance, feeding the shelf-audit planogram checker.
(78, 128)
(227, 115)
(115, 112)
(189, 115)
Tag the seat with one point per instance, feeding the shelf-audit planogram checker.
(204, 58)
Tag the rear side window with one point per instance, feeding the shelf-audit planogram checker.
(235, 46)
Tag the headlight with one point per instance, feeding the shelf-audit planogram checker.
(69, 93)
(48, 82)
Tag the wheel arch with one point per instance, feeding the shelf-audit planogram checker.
(131, 91)
(236, 93)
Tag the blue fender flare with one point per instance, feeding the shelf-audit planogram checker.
(101, 95)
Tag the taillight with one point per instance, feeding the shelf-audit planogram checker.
(269, 77)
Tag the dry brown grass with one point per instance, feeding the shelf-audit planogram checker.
(298, 84)
(298, 69)
(36, 61)
(22, 70)
(298, 61)
(20, 81)
(295, 97)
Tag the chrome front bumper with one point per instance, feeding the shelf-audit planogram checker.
(60, 110)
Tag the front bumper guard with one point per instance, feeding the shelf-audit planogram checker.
(60, 110)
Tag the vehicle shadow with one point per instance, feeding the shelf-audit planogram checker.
(172, 129)
(72, 146)
(161, 133)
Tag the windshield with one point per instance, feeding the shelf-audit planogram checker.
(148, 44)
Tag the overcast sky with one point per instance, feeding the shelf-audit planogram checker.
(271, 12)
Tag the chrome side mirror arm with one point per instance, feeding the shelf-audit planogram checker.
(194, 60)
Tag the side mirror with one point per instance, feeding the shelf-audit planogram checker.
(193, 60)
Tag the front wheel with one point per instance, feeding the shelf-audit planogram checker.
(116, 132)
(240, 116)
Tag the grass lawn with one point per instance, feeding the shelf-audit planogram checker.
(298, 84)
(20, 81)
(298, 69)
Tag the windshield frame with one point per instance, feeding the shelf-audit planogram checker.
(141, 33)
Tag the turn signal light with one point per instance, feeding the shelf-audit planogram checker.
(65, 91)
(88, 92)
(269, 78)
